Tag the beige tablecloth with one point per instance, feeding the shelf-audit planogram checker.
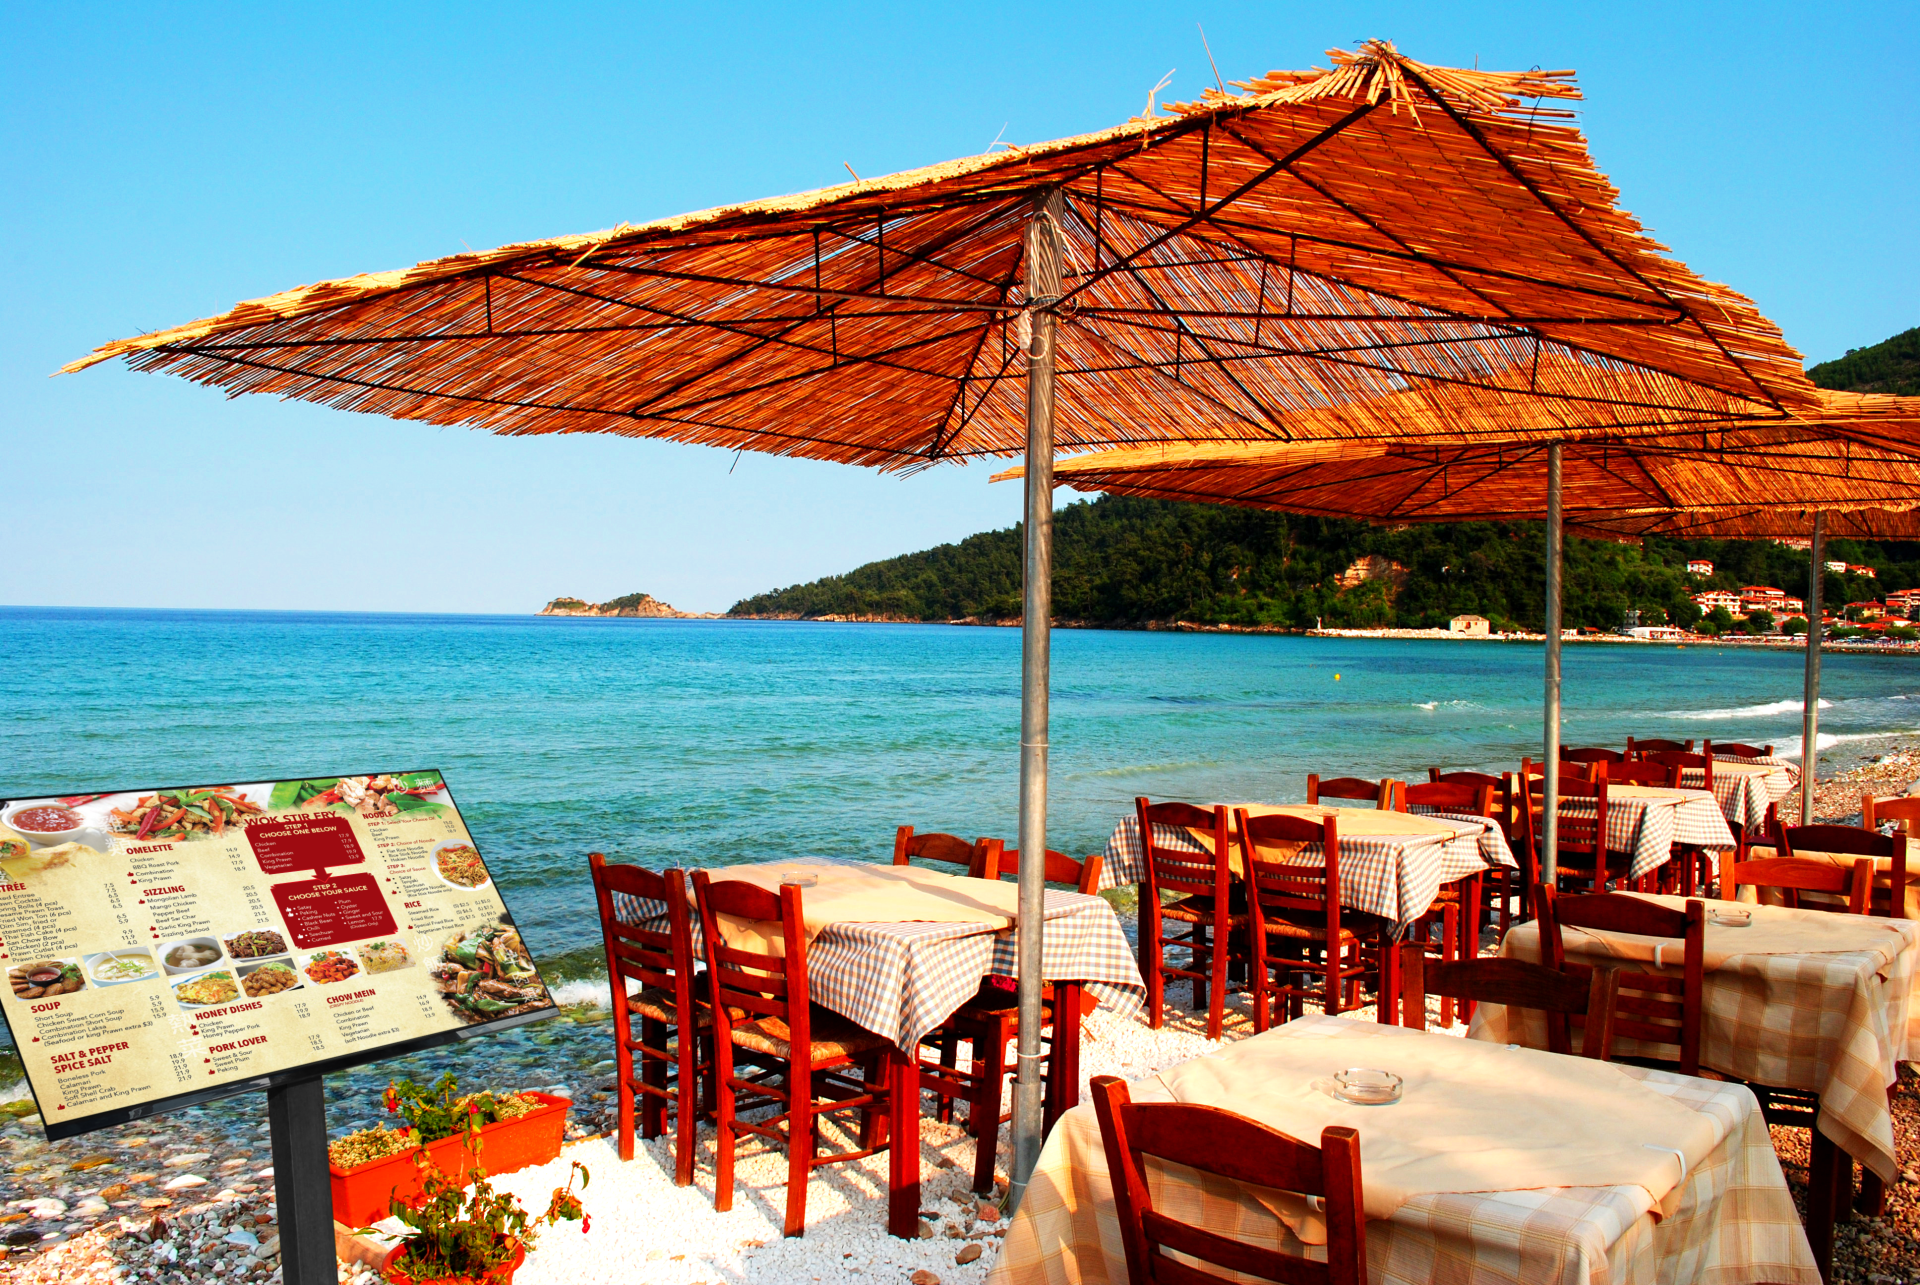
(1732, 1221)
(1833, 1023)
(845, 894)
(1353, 822)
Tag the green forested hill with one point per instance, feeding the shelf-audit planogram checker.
(1125, 561)
(1891, 366)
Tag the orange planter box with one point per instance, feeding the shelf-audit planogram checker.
(361, 1194)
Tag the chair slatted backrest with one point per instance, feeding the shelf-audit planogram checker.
(1084, 874)
(1646, 772)
(1275, 888)
(1380, 793)
(1684, 761)
(748, 984)
(1590, 754)
(1580, 835)
(1448, 796)
(1178, 872)
(1886, 899)
(1652, 1007)
(1640, 749)
(1216, 1141)
(1514, 983)
(1795, 875)
(1737, 750)
(980, 859)
(1506, 798)
(648, 940)
(1902, 811)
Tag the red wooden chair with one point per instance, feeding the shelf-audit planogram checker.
(1516, 984)
(1509, 893)
(1792, 876)
(1695, 867)
(1590, 754)
(1904, 814)
(1582, 837)
(1736, 750)
(980, 859)
(1203, 887)
(988, 1022)
(1379, 793)
(1242, 1150)
(1640, 749)
(675, 1040)
(1644, 772)
(1652, 1007)
(764, 1018)
(1297, 924)
(1457, 907)
(1886, 893)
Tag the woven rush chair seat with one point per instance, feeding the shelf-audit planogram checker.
(1300, 930)
(834, 1037)
(657, 1003)
(1199, 910)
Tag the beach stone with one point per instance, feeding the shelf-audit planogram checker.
(188, 1160)
(115, 1192)
(924, 1277)
(967, 1254)
(184, 1181)
(987, 1212)
(926, 1230)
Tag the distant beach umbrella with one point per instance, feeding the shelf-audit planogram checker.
(1378, 248)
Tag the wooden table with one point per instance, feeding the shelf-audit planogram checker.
(902, 980)
(1832, 1024)
(1731, 1216)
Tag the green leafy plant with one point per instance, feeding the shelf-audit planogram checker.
(467, 1228)
(440, 1112)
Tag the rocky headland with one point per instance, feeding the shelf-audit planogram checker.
(632, 604)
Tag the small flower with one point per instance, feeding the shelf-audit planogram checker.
(586, 1223)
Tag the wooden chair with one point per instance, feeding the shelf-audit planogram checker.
(1202, 885)
(1795, 875)
(1737, 750)
(1509, 894)
(1516, 984)
(1241, 1150)
(1695, 866)
(1379, 793)
(675, 1040)
(1651, 1007)
(1588, 754)
(1582, 844)
(1640, 749)
(1902, 813)
(765, 1018)
(1643, 772)
(1457, 907)
(1886, 893)
(987, 1022)
(980, 859)
(1295, 914)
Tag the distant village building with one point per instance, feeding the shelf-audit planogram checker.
(1855, 569)
(1794, 542)
(1478, 625)
(1903, 602)
(1841, 567)
(1657, 633)
(1700, 567)
(1757, 597)
(1865, 610)
(1717, 598)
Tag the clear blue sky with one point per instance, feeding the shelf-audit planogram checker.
(165, 161)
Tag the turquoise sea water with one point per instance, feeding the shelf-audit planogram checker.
(706, 742)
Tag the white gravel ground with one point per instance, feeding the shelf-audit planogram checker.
(646, 1231)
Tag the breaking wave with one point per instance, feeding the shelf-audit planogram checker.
(1745, 711)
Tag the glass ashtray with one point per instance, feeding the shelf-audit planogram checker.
(1364, 1087)
(798, 878)
(1730, 918)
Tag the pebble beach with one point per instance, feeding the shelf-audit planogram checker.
(189, 1196)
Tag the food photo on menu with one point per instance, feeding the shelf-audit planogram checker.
(164, 943)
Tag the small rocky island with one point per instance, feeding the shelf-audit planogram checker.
(632, 604)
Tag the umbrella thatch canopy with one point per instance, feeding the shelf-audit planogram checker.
(1379, 248)
(1384, 246)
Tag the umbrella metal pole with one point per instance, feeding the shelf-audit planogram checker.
(1810, 718)
(1043, 287)
(1550, 785)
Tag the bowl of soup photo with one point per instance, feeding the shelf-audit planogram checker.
(117, 967)
(189, 955)
(44, 824)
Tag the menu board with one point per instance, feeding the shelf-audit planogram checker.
(168, 946)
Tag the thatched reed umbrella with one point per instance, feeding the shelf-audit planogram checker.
(1742, 481)
(1380, 247)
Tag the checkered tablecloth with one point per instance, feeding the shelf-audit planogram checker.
(1790, 766)
(902, 980)
(1743, 796)
(1832, 1024)
(1734, 1220)
(1648, 828)
(1394, 876)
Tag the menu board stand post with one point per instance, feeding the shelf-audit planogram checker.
(297, 1116)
